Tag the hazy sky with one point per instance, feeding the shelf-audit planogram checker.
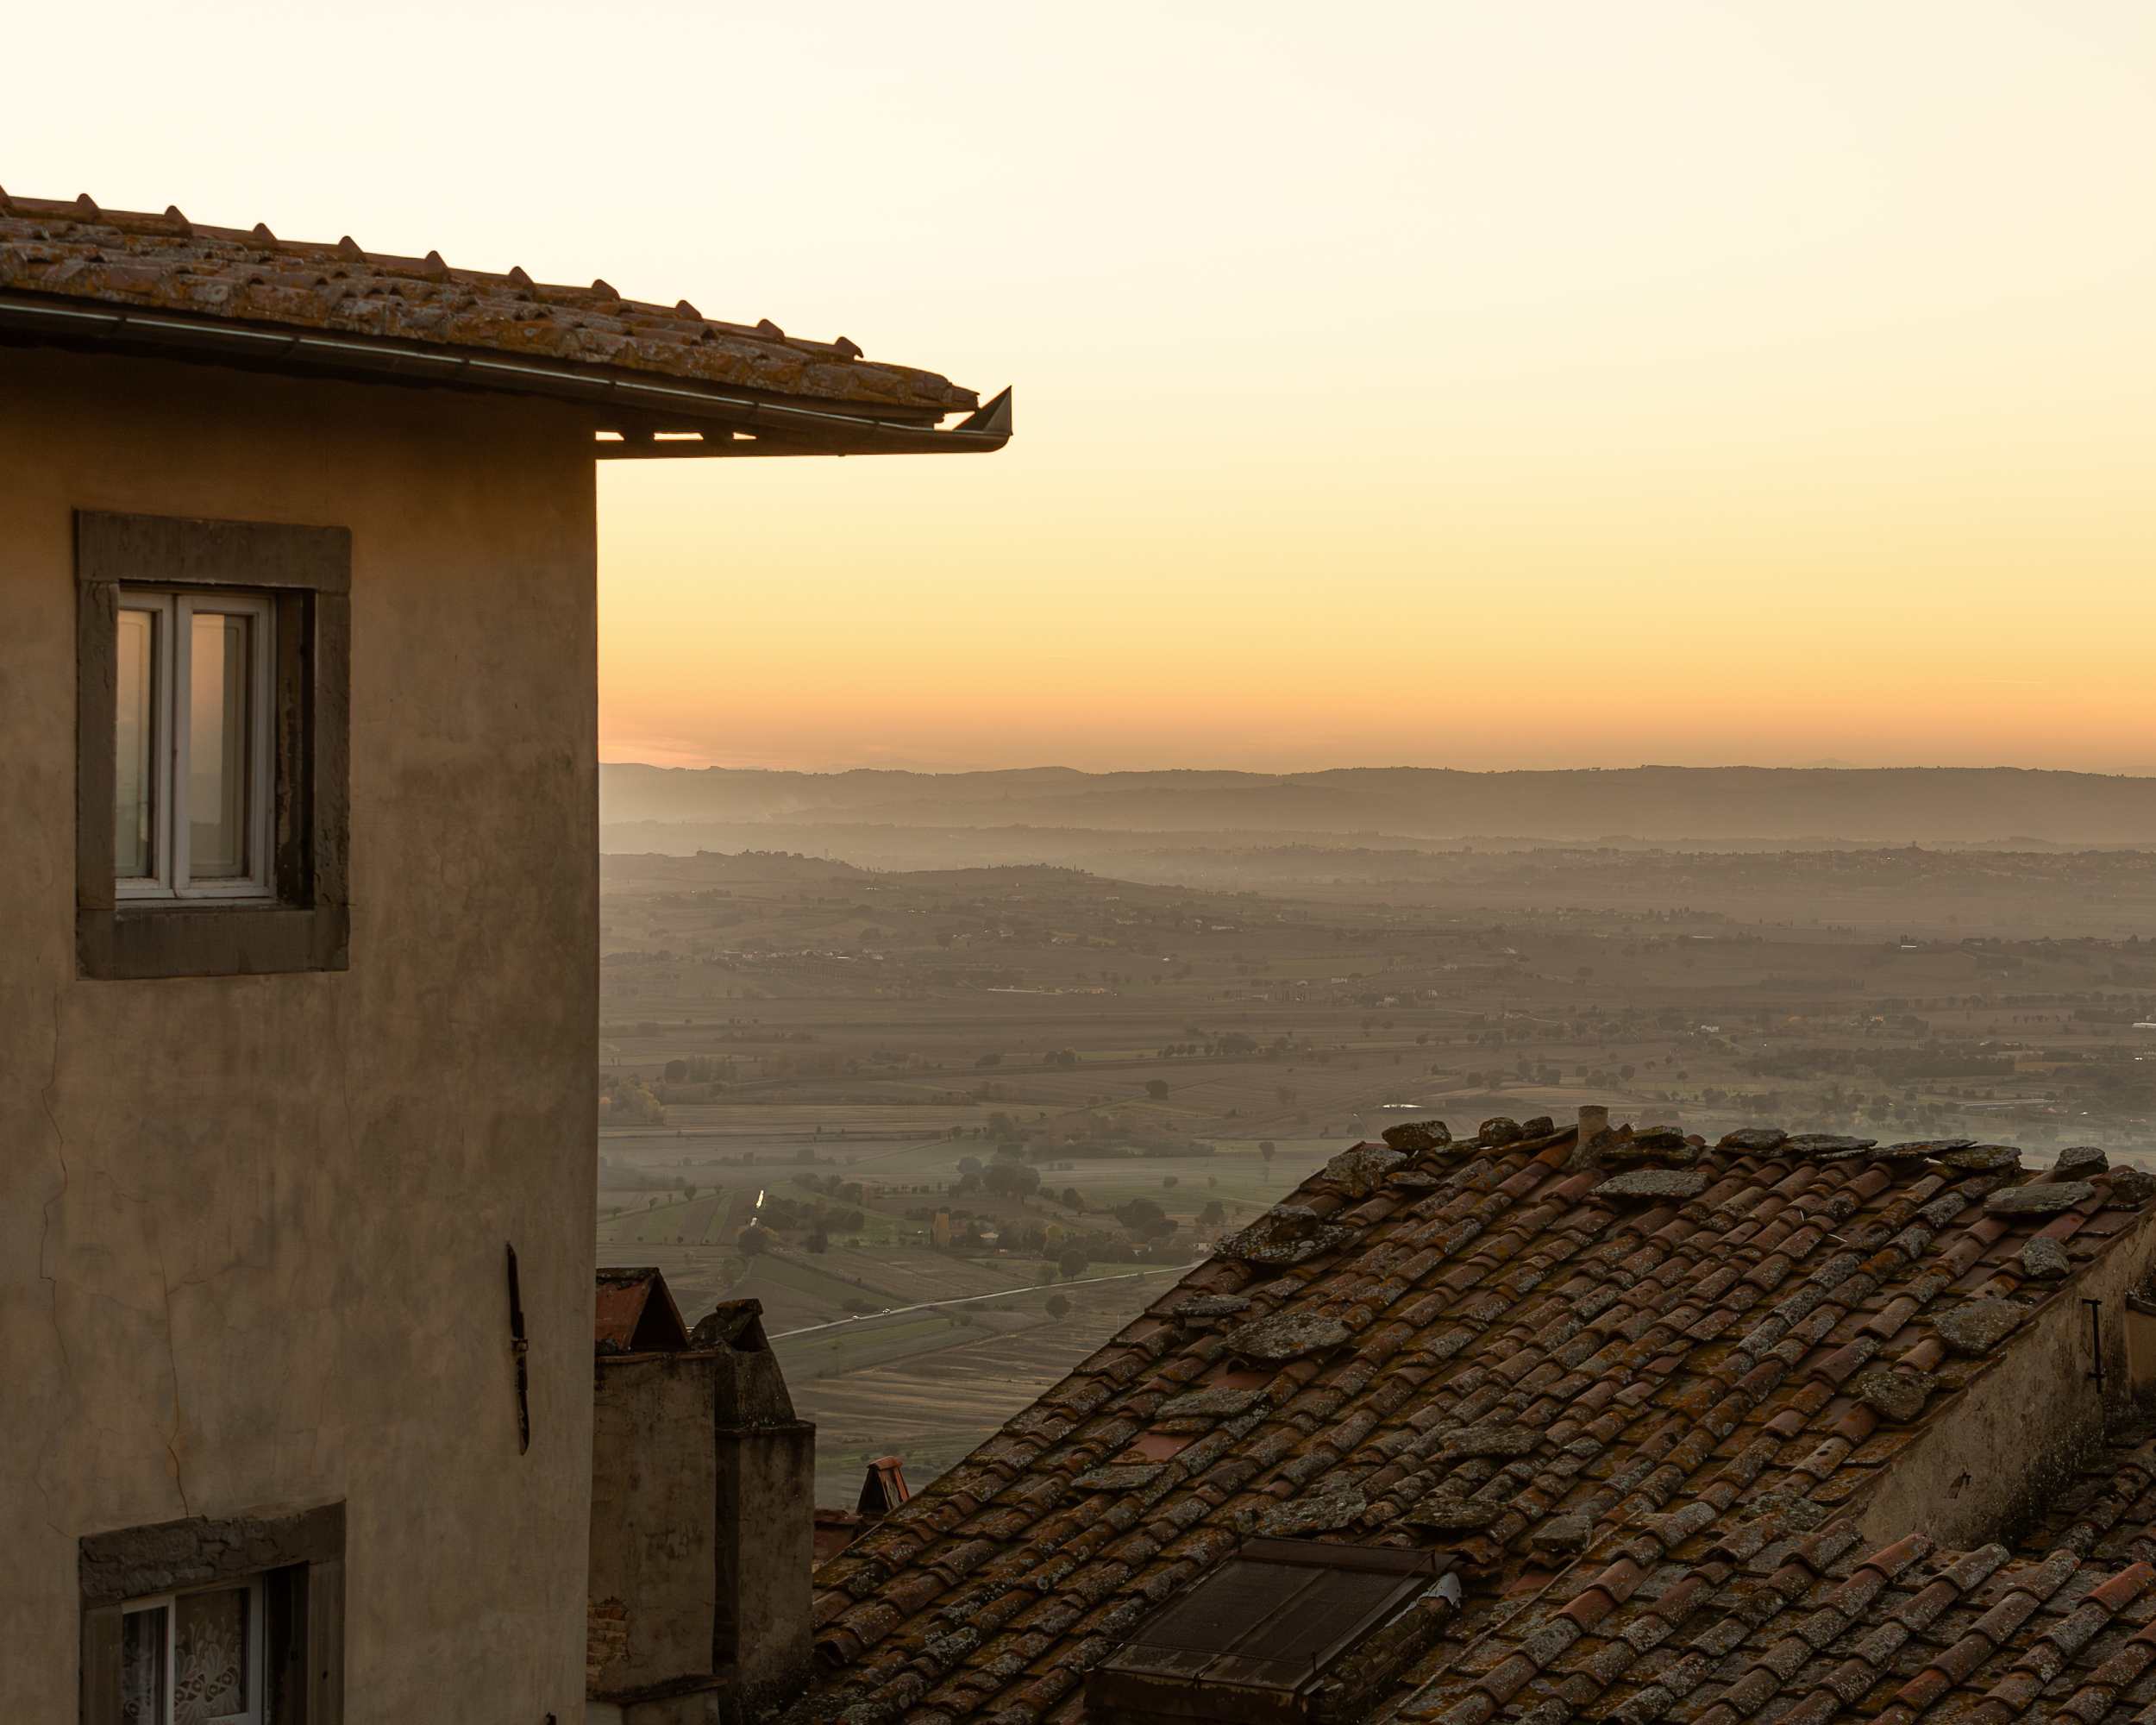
(1468, 382)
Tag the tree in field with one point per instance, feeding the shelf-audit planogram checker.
(751, 1239)
(1058, 1306)
(1156, 1088)
(1011, 1179)
(1145, 1219)
(1072, 1200)
(1073, 1263)
(689, 1192)
(1265, 1148)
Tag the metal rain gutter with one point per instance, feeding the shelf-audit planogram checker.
(647, 409)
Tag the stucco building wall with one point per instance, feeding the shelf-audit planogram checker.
(252, 1228)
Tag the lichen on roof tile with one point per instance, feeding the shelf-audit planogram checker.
(2133, 1186)
(2042, 1198)
(1286, 1234)
(1975, 1327)
(1411, 1136)
(1653, 1183)
(1825, 1146)
(1198, 1308)
(1361, 1171)
(1753, 1141)
(1983, 1158)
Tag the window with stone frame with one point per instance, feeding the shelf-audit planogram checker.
(212, 719)
(215, 1622)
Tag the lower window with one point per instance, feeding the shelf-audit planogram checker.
(215, 1623)
(193, 1659)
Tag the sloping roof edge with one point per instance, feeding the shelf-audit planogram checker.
(77, 276)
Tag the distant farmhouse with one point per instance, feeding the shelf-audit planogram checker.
(1557, 1425)
(299, 991)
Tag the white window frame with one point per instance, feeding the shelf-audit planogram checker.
(171, 700)
(257, 1662)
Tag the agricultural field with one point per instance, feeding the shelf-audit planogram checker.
(953, 1128)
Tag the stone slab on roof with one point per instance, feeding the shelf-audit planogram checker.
(76, 251)
(1672, 1377)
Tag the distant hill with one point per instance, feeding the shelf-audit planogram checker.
(1887, 806)
(704, 868)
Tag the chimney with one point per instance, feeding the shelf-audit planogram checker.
(702, 1513)
(885, 1487)
(767, 1510)
(1594, 1122)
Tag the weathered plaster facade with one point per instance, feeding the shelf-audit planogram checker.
(252, 1227)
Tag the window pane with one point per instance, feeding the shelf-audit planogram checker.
(211, 1657)
(135, 763)
(142, 1667)
(217, 726)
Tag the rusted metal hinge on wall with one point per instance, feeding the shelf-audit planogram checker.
(518, 1348)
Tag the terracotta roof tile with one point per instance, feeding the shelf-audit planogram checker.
(76, 251)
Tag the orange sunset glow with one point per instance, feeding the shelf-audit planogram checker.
(1447, 384)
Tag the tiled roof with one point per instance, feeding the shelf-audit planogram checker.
(168, 264)
(1585, 1371)
(1818, 1629)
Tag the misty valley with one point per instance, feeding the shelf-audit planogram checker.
(955, 1125)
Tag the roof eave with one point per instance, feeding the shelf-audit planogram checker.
(786, 430)
(638, 417)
